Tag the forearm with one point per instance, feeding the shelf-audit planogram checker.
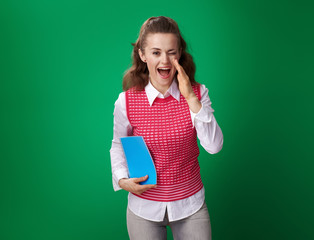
(207, 128)
(194, 104)
(209, 134)
(118, 165)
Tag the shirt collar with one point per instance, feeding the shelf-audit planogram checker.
(152, 93)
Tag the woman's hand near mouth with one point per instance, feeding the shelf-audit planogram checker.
(186, 89)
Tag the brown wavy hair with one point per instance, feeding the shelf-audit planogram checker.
(137, 75)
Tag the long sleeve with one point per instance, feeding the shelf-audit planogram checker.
(121, 128)
(207, 128)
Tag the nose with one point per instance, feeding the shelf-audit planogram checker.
(165, 58)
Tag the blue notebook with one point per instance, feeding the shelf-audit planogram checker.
(140, 162)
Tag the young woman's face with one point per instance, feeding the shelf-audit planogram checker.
(160, 49)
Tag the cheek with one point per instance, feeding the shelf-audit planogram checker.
(151, 66)
(151, 63)
(174, 56)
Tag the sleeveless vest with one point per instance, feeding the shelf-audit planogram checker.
(167, 129)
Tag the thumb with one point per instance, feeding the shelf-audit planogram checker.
(141, 179)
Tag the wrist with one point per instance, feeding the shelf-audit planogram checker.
(192, 98)
(120, 182)
(194, 104)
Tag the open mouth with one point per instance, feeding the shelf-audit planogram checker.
(164, 72)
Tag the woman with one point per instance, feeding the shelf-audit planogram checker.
(163, 103)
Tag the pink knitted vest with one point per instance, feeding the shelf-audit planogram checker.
(172, 141)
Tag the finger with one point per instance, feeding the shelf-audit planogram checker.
(144, 188)
(179, 67)
(141, 179)
(149, 186)
(176, 64)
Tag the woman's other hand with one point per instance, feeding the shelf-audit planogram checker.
(133, 185)
(186, 89)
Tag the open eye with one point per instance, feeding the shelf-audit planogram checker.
(155, 53)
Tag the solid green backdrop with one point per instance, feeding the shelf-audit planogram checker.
(62, 64)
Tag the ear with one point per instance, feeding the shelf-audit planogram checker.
(142, 56)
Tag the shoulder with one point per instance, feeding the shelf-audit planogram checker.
(204, 92)
(134, 94)
(123, 95)
(201, 88)
(120, 102)
(204, 89)
(134, 90)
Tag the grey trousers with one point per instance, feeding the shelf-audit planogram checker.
(194, 227)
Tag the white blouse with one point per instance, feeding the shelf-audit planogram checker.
(208, 132)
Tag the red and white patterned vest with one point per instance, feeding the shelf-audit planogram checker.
(167, 129)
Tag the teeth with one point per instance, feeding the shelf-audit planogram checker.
(164, 68)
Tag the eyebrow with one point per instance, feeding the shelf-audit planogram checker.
(160, 49)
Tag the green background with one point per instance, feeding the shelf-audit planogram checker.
(62, 64)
